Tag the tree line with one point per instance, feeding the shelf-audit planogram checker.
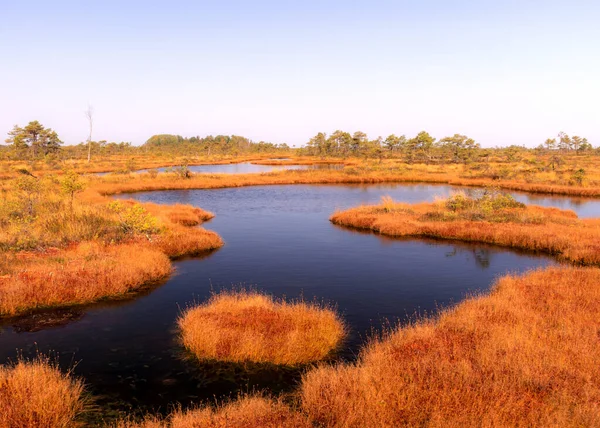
(420, 148)
(564, 143)
(424, 148)
(34, 141)
(210, 145)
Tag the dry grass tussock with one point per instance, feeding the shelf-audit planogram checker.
(491, 218)
(247, 412)
(253, 327)
(36, 394)
(526, 355)
(62, 250)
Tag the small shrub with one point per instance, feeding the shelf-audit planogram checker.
(388, 203)
(578, 176)
(71, 184)
(135, 218)
(29, 188)
(182, 172)
(490, 205)
(130, 165)
(458, 201)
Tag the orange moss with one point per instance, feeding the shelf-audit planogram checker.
(535, 228)
(248, 326)
(246, 412)
(526, 355)
(37, 394)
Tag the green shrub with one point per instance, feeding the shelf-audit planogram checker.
(135, 219)
(489, 205)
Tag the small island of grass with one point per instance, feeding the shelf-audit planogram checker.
(254, 327)
(490, 217)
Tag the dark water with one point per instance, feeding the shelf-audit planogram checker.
(243, 168)
(278, 239)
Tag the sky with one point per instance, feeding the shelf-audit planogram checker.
(502, 72)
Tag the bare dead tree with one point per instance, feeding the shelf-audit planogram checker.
(89, 114)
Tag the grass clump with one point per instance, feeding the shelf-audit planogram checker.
(252, 411)
(526, 355)
(248, 326)
(36, 394)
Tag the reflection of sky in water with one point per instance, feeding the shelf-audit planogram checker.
(241, 168)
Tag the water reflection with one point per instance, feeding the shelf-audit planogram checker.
(240, 168)
(47, 319)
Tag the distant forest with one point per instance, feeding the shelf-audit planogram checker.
(221, 144)
(35, 142)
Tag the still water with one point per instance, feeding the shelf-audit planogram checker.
(277, 239)
(242, 168)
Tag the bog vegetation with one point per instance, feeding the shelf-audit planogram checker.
(247, 326)
(491, 217)
(526, 354)
(36, 394)
(62, 246)
(249, 411)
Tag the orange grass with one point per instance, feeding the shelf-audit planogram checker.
(118, 163)
(180, 237)
(91, 270)
(550, 230)
(252, 327)
(247, 412)
(36, 394)
(526, 355)
(108, 185)
(83, 274)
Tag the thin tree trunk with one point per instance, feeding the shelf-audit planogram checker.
(89, 114)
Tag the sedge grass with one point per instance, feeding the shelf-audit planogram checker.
(36, 394)
(525, 355)
(551, 230)
(59, 253)
(248, 326)
(83, 274)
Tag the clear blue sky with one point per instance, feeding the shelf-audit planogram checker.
(502, 72)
